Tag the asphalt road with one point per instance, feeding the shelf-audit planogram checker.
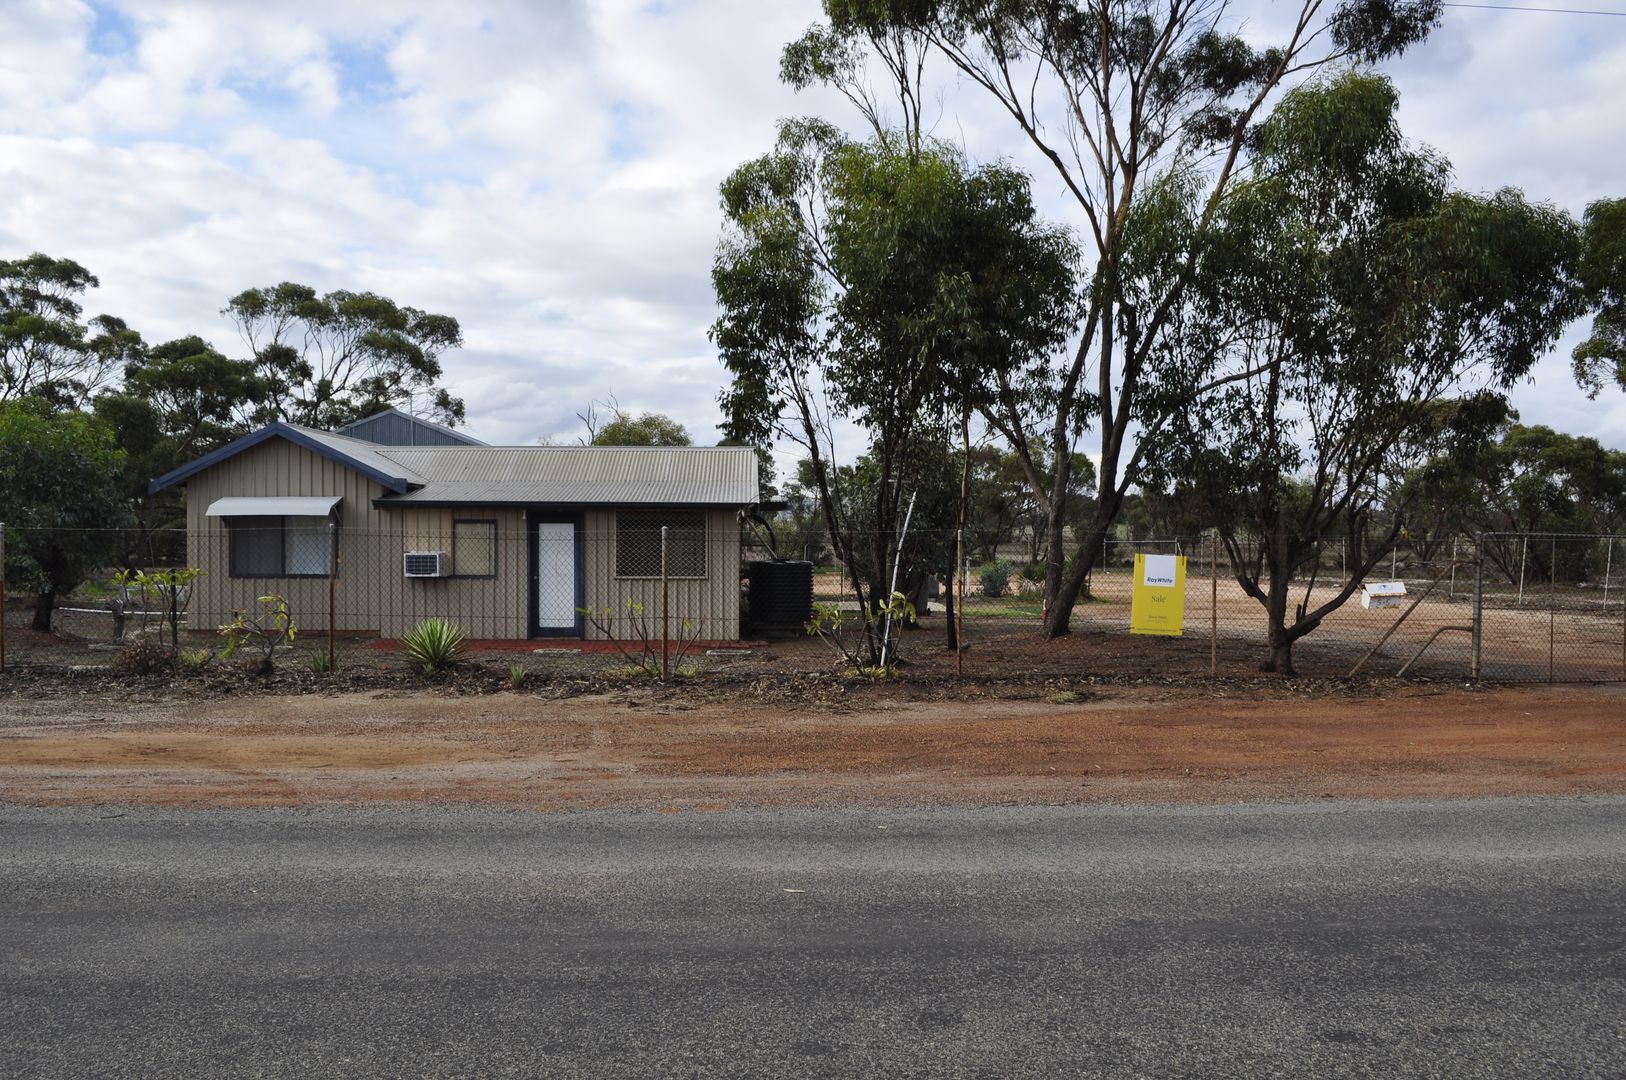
(1472, 938)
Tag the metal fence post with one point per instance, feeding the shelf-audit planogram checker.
(1213, 609)
(1524, 560)
(332, 583)
(1479, 604)
(959, 603)
(2, 596)
(666, 617)
(1552, 608)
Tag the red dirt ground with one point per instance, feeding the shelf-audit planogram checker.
(648, 749)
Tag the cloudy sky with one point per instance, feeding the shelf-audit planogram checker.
(547, 171)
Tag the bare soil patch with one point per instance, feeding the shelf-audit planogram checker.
(832, 744)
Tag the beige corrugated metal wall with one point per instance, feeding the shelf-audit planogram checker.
(278, 467)
(373, 595)
(712, 602)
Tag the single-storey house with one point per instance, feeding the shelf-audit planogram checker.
(418, 520)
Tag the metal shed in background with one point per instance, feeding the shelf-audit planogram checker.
(392, 427)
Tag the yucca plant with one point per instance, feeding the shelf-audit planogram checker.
(517, 674)
(433, 645)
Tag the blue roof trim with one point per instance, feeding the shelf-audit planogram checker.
(278, 430)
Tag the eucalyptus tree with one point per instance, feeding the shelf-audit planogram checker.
(326, 360)
(1601, 358)
(1126, 101)
(60, 499)
(178, 401)
(48, 350)
(878, 281)
(1344, 292)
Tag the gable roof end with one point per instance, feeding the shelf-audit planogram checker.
(351, 453)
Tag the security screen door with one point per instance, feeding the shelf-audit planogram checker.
(556, 577)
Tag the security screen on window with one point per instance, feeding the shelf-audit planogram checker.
(474, 548)
(280, 546)
(638, 544)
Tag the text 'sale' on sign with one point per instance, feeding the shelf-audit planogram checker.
(1157, 601)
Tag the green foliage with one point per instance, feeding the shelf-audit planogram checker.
(1144, 109)
(517, 674)
(1343, 295)
(1527, 479)
(1601, 358)
(179, 401)
(1032, 572)
(840, 628)
(995, 577)
(261, 633)
(895, 277)
(432, 646)
(47, 350)
(59, 493)
(626, 428)
(320, 663)
(168, 590)
(195, 659)
(326, 360)
(919, 274)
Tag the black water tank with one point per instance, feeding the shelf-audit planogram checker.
(780, 596)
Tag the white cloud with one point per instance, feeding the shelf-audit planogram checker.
(548, 172)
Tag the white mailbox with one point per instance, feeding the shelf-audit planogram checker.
(1382, 594)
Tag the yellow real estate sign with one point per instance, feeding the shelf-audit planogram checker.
(1157, 601)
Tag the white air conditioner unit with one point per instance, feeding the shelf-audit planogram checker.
(426, 564)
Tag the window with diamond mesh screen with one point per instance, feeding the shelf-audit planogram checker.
(474, 548)
(280, 546)
(638, 543)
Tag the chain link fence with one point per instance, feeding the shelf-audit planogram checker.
(1552, 607)
(674, 591)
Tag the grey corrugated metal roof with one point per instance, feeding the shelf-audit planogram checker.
(577, 475)
(370, 454)
(395, 427)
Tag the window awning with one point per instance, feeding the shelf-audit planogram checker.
(274, 506)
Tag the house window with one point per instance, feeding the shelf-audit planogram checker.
(280, 546)
(474, 548)
(638, 544)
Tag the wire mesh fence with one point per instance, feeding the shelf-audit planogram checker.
(1552, 606)
(691, 592)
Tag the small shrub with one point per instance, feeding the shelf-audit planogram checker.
(319, 662)
(146, 654)
(1033, 572)
(995, 577)
(1064, 697)
(433, 645)
(262, 633)
(636, 636)
(517, 674)
(195, 659)
(853, 634)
